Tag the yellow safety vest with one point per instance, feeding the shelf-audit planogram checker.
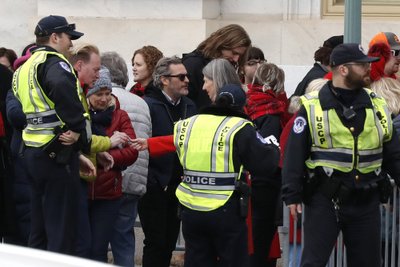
(334, 146)
(204, 144)
(41, 116)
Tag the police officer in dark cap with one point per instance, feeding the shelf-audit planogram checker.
(341, 146)
(48, 89)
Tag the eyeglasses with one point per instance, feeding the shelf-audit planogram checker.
(253, 62)
(395, 53)
(181, 76)
(364, 65)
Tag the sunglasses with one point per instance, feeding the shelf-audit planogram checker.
(395, 53)
(364, 65)
(181, 77)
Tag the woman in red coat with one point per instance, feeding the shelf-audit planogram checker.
(106, 191)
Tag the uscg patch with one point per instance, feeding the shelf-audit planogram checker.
(299, 124)
(65, 66)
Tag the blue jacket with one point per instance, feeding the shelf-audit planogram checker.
(165, 170)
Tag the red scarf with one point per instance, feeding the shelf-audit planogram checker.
(138, 90)
(261, 103)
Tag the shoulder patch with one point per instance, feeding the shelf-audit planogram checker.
(299, 125)
(268, 140)
(65, 66)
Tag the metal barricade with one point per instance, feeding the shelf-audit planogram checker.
(390, 218)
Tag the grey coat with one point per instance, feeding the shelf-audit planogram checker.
(134, 178)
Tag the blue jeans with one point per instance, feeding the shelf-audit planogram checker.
(292, 256)
(102, 215)
(123, 239)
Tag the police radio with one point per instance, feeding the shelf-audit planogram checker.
(348, 113)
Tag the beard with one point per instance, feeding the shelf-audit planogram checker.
(354, 80)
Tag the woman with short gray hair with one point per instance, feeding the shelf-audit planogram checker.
(117, 67)
(135, 176)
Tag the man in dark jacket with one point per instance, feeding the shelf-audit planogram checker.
(158, 208)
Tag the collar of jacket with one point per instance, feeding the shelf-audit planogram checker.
(329, 101)
(220, 111)
(156, 93)
(43, 48)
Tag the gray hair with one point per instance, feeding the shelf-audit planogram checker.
(162, 69)
(270, 76)
(221, 72)
(117, 67)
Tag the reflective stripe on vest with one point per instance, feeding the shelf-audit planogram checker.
(334, 146)
(204, 145)
(39, 109)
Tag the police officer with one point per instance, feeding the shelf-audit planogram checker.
(343, 140)
(48, 90)
(214, 148)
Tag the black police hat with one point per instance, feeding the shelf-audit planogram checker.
(345, 53)
(236, 93)
(50, 24)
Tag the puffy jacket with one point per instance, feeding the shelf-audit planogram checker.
(108, 184)
(134, 178)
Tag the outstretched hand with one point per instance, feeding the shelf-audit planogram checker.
(139, 144)
(119, 138)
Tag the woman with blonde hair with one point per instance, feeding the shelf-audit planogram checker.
(389, 89)
(230, 42)
(267, 108)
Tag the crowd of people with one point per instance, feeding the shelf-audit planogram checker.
(209, 142)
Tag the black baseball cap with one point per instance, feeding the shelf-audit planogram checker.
(333, 41)
(50, 24)
(345, 53)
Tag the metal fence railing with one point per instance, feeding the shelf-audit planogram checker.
(390, 215)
